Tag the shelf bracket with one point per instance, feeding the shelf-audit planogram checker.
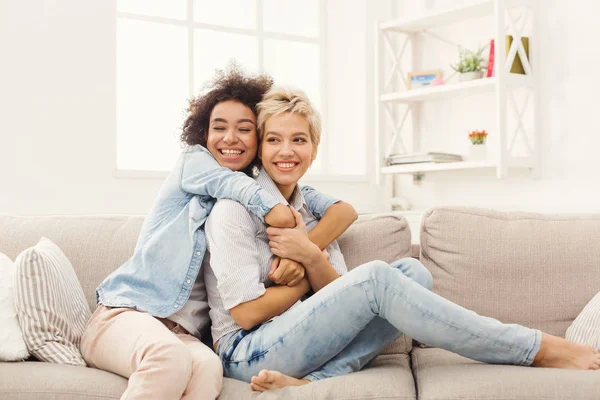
(418, 178)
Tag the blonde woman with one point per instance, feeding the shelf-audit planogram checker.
(272, 336)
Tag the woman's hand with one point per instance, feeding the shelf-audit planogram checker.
(292, 243)
(280, 217)
(286, 272)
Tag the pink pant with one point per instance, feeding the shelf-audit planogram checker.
(160, 358)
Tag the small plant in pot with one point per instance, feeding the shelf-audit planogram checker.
(470, 64)
(478, 137)
(478, 151)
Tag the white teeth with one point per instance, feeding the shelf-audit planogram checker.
(229, 152)
(285, 165)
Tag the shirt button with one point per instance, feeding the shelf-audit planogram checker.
(198, 253)
(175, 305)
(189, 281)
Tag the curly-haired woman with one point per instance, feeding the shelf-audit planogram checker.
(153, 310)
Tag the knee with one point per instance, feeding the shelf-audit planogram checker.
(414, 269)
(421, 274)
(211, 370)
(174, 360)
(374, 268)
(209, 365)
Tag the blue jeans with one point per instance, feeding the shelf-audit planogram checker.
(342, 327)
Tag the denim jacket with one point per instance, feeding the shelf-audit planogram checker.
(159, 277)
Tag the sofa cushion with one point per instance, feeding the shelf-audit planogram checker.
(440, 374)
(388, 377)
(586, 327)
(50, 304)
(12, 345)
(386, 237)
(44, 381)
(514, 266)
(95, 245)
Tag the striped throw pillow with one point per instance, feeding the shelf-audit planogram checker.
(586, 327)
(50, 304)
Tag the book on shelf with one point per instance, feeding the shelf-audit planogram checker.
(412, 158)
(490, 66)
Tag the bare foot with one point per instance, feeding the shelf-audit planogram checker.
(267, 380)
(556, 352)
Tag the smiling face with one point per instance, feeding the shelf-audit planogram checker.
(286, 150)
(232, 138)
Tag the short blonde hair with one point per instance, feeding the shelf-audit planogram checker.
(282, 99)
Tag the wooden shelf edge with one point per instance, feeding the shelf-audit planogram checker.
(419, 168)
(441, 91)
(445, 17)
(451, 89)
(449, 16)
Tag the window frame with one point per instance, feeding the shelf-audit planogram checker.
(261, 35)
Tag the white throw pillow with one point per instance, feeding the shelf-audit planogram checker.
(12, 345)
(586, 327)
(50, 304)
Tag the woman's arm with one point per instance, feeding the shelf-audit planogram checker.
(319, 270)
(335, 221)
(280, 217)
(201, 174)
(231, 235)
(295, 244)
(335, 216)
(275, 301)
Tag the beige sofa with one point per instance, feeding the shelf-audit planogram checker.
(538, 270)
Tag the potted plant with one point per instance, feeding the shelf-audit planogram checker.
(478, 151)
(470, 64)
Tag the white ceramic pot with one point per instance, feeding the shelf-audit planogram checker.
(477, 152)
(469, 76)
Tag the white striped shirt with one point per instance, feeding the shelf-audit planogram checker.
(193, 316)
(240, 256)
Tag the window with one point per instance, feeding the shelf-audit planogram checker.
(167, 50)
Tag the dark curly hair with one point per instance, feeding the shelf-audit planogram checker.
(231, 83)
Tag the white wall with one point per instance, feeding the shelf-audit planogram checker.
(571, 140)
(57, 127)
(57, 118)
(57, 133)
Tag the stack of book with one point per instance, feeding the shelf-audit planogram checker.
(412, 158)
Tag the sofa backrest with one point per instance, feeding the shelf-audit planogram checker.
(97, 245)
(537, 270)
(384, 236)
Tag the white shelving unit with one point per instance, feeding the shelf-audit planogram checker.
(421, 168)
(502, 84)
